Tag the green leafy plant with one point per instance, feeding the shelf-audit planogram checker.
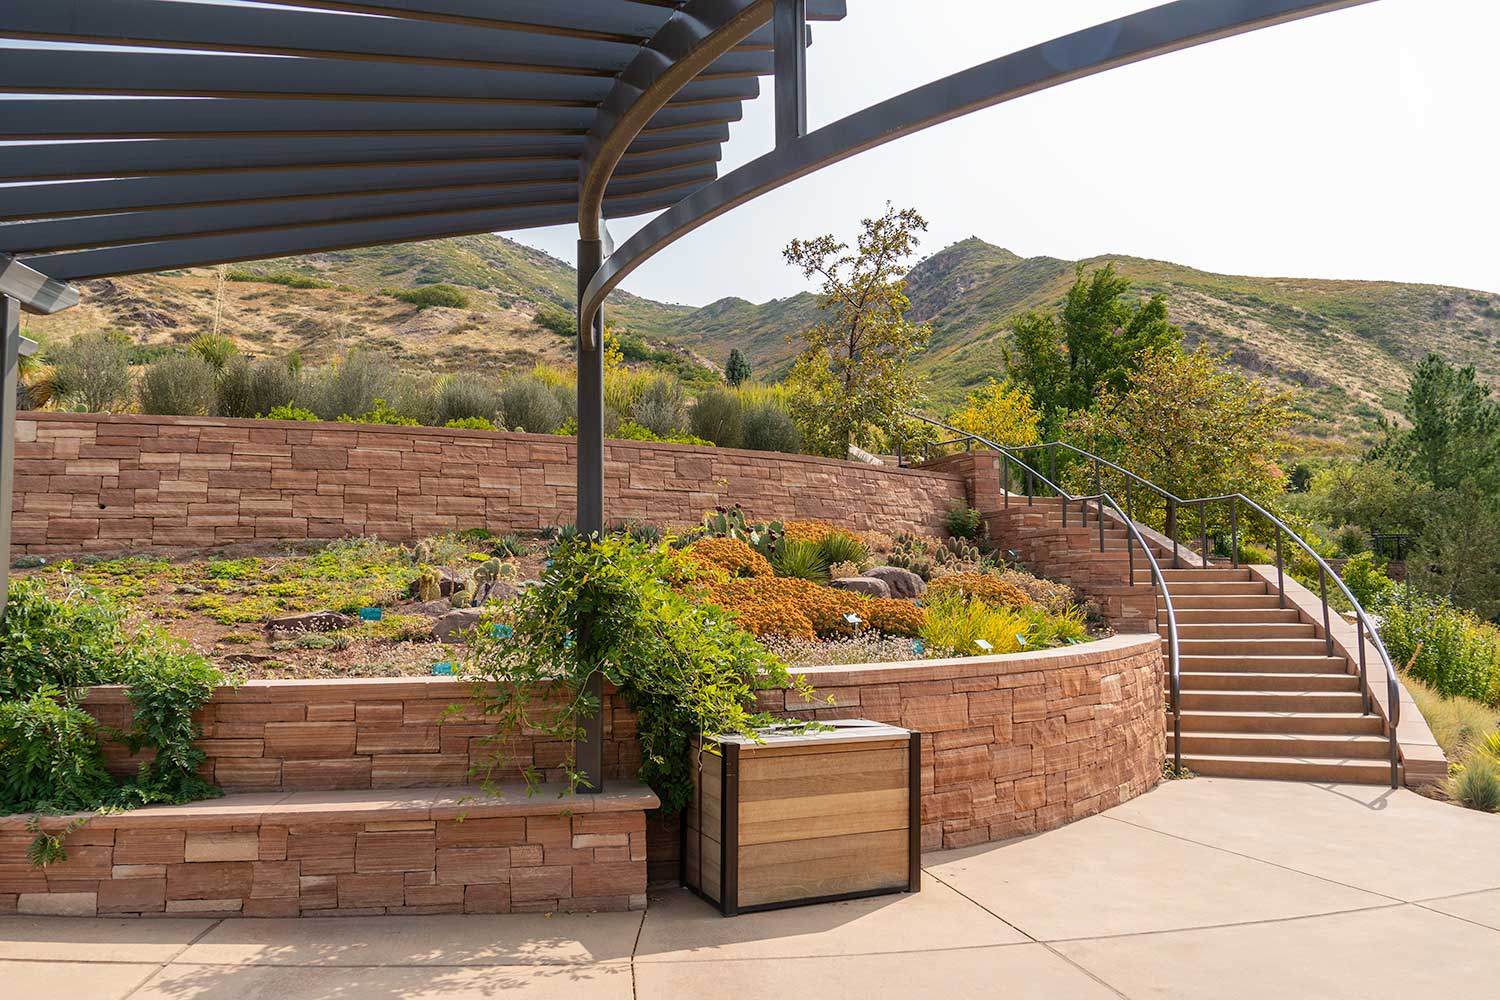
(1477, 784)
(843, 547)
(471, 424)
(956, 624)
(380, 413)
(1446, 647)
(605, 608)
(801, 559)
(1366, 579)
(433, 295)
(963, 521)
(290, 412)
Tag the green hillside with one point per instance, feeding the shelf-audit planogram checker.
(1345, 346)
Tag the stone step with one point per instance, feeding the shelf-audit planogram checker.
(1216, 588)
(1279, 722)
(1221, 700)
(1330, 769)
(1252, 647)
(1234, 616)
(1242, 630)
(1263, 664)
(1229, 602)
(1286, 745)
(1244, 680)
(1212, 575)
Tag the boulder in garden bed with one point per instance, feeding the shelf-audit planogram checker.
(901, 582)
(310, 621)
(432, 609)
(867, 585)
(455, 625)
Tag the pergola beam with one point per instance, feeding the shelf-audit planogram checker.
(1133, 38)
(32, 290)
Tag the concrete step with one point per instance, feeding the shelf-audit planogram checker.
(1252, 647)
(1214, 575)
(1279, 722)
(1242, 630)
(1330, 769)
(1263, 664)
(1234, 616)
(1348, 702)
(1244, 680)
(1287, 745)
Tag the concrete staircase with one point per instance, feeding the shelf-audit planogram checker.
(1261, 696)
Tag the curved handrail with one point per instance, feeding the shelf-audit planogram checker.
(1364, 624)
(1158, 580)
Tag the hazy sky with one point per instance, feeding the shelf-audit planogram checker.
(1357, 144)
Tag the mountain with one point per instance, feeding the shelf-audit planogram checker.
(1344, 346)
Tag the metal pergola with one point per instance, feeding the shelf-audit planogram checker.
(143, 135)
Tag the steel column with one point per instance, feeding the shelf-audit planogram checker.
(790, 23)
(10, 363)
(590, 748)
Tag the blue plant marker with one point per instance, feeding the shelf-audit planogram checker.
(568, 641)
(1013, 553)
(852, 619)
(1020, 638)
(1072, 641)
(369, 614)
(917, 647)
(442, 669)
(502, 631)
(984, 645)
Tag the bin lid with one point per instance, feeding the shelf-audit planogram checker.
(830, 731)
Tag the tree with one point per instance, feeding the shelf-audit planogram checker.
(1454, 432)
(853, 377)
(1095, 343)
(1000, 412)
(92, 371)
(1193, 426)
(1457, 555)
(736, 369)
(1372, 494)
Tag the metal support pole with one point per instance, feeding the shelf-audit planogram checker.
(1203, 535)
(1005, 481)
(590, 748)
(789, 21)
(1327, 627)
(1171, 523)
(10, 365)
(1364, 676)
(1234, 533)
(1280, 572)
(1052, 461)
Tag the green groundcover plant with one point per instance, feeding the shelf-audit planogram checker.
(52, 650)
(631, 613)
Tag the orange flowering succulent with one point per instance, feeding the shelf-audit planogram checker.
(731, 555)
(785, 606)
(990, 589)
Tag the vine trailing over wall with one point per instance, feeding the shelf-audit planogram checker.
(51, 761)
(635, 614)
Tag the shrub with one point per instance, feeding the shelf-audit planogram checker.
(1366, 580)
(1457, 723)
(466, 396)
(809, 531)
(1351, 539)
(801, 559)
(54, 647)
(718, 417)
(215, 349)
(956, 623)
(731, 555)
(769, 427)
(434, 295)
(1448, 648)
(178, 384)
(1477, 786)
(291, 413)
(350, 386)
(529, 404)
(629, 430)
(1055, 597)
(288, 280)
(471, 424)
(380, 413)
(843, 546)
(92, 371)
(963, 521)
(990, 589)
(604, 609)
(891, 616)
(661, 408)
(247, 389)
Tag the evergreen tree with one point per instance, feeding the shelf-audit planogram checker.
(737, 369)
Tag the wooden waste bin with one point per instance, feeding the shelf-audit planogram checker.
(806, 818)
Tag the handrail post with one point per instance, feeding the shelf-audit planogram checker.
(1099, 512)
(1052, 461)
(1203, 534)
(1327, 628)
(1030, 488)
(1130, 533)
(1171, 525)
(1280, 572)
(1364, 677)
(1234, 532)
(1005, 480)
(1064, 499)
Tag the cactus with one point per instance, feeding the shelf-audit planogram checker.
(428, 586)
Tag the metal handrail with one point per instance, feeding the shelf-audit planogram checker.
(1364, 624)
(1158, 581)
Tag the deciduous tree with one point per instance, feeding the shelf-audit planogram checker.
(854, 375)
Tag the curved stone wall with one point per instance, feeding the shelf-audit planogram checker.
(1012, 744)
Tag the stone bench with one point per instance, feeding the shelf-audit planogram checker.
(282, 854)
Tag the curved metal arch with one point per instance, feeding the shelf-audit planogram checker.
(690, 41)
(1133, 38)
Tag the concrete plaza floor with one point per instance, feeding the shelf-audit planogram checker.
(1202, 888)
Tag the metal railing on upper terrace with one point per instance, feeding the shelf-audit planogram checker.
(1173, 507)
